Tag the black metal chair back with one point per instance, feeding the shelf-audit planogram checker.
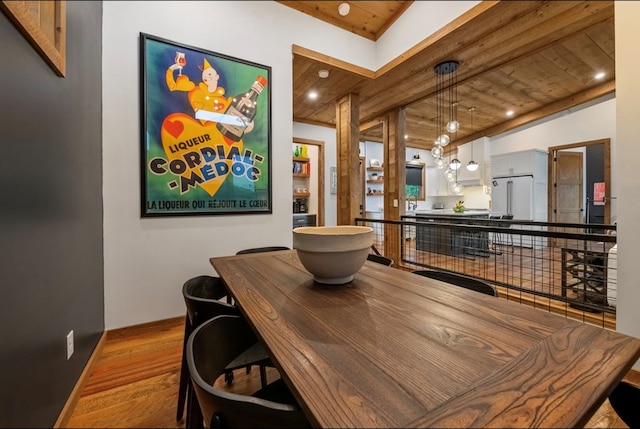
(261, 249)
(380, 259)
(459, 280)
(625, 400)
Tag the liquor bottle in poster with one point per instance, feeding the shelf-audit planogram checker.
(243, 106)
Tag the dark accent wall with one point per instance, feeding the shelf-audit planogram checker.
(51, 253)
(595, 173)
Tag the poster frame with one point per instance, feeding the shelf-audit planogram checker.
(183, 154)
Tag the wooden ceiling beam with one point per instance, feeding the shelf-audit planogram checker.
(548, 110)
(491, 59)
(522, 55)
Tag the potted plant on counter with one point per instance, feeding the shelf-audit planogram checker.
(459, 207)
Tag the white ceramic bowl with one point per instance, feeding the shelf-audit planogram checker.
(333, 254)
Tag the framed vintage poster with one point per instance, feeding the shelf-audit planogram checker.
(206, 132)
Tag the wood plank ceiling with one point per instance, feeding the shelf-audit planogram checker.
(536, 58)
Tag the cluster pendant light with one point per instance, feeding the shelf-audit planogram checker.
(447, 124)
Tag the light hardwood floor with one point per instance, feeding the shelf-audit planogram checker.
(135, 381)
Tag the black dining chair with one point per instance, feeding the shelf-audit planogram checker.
(376, 256)
(210, 349)
(459, 280)
(203, 298)
(505, 239)
(380, 259)
(261, 249)
(625, 400)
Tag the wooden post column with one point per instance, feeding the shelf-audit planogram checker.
(394, 164)
(394, 180)
(348, 157)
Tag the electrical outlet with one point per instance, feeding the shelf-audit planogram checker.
(395, 203)
(69, 344)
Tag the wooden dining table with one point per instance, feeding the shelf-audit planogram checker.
(396, 349)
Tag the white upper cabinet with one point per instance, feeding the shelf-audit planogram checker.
(437, 185)
(518, 163)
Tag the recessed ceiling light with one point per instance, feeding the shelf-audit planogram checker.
(599, 75)
(344, 9)
(313, 95)
(509, 113)
(323, 74)
(406, 136)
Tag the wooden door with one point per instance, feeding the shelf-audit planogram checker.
(569, 187)
(568, 204)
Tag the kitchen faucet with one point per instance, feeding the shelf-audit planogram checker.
(412, 205)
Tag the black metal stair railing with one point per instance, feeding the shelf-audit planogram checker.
(564, 267)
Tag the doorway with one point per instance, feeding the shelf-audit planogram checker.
(372, 171)
(316, 176)
(580, 182)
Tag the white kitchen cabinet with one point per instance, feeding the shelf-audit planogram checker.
(437, 184)
(470, 178)
(487, 173)
(532, 162)
(434, 182)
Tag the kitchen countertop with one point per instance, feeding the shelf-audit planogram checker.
(450, 212)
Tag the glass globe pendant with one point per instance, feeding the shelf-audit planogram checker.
(437, 151)
(472, 165)
(440, 163)
(448, 173)
(455, 164)
(455, 188)
(443, 140)
(453, 126)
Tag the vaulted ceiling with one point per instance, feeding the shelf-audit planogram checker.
(536, 58)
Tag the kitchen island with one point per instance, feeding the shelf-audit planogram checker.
(435, 233)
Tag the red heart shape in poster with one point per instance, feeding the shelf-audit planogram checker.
(173, 128)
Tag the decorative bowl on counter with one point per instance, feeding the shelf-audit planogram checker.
(333, 254)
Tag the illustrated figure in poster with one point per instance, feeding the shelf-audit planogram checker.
(207, 95)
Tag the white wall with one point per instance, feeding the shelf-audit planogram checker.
(582, 124)
(422, 19)
(627, 15)
(147, 260)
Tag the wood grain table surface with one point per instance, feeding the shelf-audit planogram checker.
(395, 349)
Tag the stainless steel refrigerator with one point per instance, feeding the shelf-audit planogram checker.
(513, 195)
